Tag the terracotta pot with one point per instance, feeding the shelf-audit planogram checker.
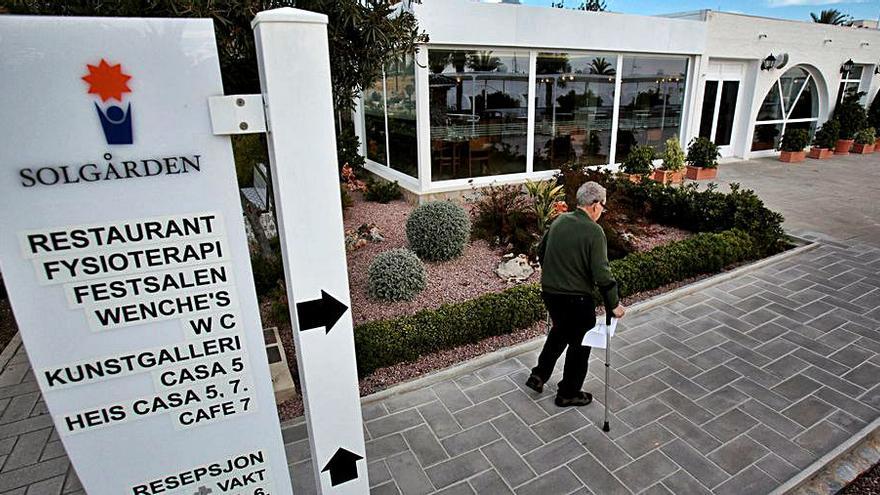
(668, 177)
(634, 178)
(792, 156)
(877, 145)
(701, 173)
(820, 153)
(843, 146)
(863, 149)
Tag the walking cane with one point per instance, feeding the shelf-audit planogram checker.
(606, 427)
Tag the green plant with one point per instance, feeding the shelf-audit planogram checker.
(673, 155)
(702, 152)
(503, 215)
(544, 194)
(640, 160)
(795, 140)
(874, 113)
(866, 136)
(396, 275)
(345, 197)
(248, 150)
(387, 342)
(438, 231)
(827, 135)
(348, 149)
(382, 191)
(851, 114)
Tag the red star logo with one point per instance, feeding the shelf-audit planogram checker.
(107, 81)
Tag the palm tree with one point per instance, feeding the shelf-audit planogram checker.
(602, 67)
(832, 16)
(484, 61)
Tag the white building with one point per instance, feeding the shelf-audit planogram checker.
(504, 93)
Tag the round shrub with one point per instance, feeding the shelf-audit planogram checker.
(396, 275)
(438, 231)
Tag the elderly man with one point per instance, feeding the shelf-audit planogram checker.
(574, 260)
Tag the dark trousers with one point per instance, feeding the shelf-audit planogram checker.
(572, 317)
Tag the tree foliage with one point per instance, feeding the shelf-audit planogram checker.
(832, 16)
(588, 5)
(364, 35)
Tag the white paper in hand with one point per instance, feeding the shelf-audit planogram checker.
(595, 337)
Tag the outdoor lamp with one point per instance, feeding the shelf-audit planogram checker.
(768, 62)
(847, 66)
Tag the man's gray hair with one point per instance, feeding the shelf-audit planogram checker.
(589, 193)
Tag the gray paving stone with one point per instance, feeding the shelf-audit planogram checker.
(524, 407)
(827, 322)
(697, 311)
(797, 387)
(560, 451)
(480, 413)
(808, 411)
(462, 488)
(685, 406)
(520, 436)
(409, 400)
(27, 450)
(781, 446)
(722, 399)
(754, 373)
(761, 393)
(846, 422)
(639, 350)
(470, 439)
(560, 480)
(711, 358)
(752, 480)
(559, 425)
(644, 439)
(458, 468)
(787, 366)
(730, 425)
(716, 378)
(821, 437)
(735, 455)
(641, 368)
(512, 468)
(681, 482)
(408, 475)
(425, 446)
(602, 447)
(838, 384)
(642, 388)
(821, 362)
(489, 390)
(451, 396)
(696, 464)
(439, 419)
(20, 407)
(51, 486)
(468, 380)
(745, 353)
(646, 471)
(777, 468)
(644, 412)
(490, 482)
(34, 473)
(378, 472)
(775, 349)
(596, 477)
(394, 423)
(386, 446)
(765, 332)
(693, 435)
(499, 369)
(384, 489)
(681, 384)
(854, 407)
(771, 418)
(865, 375)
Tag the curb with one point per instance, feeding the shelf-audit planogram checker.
(9, 351)
(816, 468)
(521, 348)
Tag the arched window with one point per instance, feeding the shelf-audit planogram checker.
(793, 102)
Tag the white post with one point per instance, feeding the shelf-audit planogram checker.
(293, 58)
(530, 115)
(615, 116)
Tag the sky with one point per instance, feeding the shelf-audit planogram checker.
(786, 9)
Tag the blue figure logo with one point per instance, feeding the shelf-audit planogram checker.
(109, 82)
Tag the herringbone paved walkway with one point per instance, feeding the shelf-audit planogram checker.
(730, 390)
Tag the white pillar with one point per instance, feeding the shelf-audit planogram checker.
(293, 58)
(423, 118)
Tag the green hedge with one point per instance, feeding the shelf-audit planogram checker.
(387, 342)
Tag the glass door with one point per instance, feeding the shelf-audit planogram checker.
(718, 114)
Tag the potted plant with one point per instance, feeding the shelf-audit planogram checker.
(672, 170)
(864, 142)
(874, 120)
(852, 118)
(702, 158)
(825, 140)
(639, 163)
(793, 143)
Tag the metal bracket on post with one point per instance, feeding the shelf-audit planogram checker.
(237, 114)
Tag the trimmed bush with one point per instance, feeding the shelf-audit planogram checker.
(851, 114)
(866, 136)
(438, 231)
(673, 156)
(396, 275)
(382, 191)
(639, 161)
(388, 342)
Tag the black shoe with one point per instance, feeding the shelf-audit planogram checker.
(581, 399)
(535, 383)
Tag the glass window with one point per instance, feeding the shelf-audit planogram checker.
(574, 96)
(478, 112)
(797, 90)
(651, 101)
(708, 114)
(401, 107)
(726, 112)
(374, 122)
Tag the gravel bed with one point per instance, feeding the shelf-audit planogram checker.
(868, 483)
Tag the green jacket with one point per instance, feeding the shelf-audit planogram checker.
(574, 258)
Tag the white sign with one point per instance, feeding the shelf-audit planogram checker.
(292, 53)
(123, 249)
(595, 337)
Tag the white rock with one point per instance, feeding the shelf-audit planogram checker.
(515, 270)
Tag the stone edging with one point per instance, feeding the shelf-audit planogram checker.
(850, 445)
(502, 354)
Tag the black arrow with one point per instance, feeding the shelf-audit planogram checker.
(342, 467)
(324, 312)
